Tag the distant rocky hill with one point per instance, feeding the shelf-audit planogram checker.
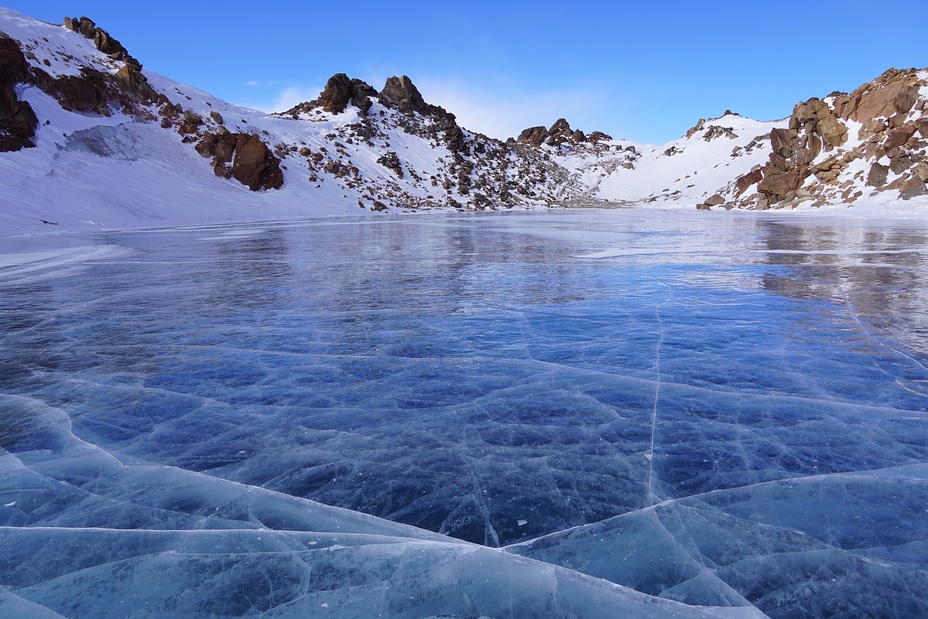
(846, 146)
(78, 111)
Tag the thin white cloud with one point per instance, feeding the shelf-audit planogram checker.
(286, 98)
(258, 84)
(502, 114)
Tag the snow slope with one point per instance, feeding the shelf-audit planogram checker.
(138, 167)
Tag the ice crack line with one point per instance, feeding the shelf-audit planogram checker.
(649, 454)
(901, 353)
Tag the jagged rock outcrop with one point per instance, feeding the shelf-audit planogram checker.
(97, 91)
(714, 130)
(535, 136)
(341, 90)
(400, 93)
(18, 121)
(244, 157)
(559, 133)
(101, 40)
(814, 158)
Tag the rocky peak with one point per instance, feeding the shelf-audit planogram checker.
(341, 90)
(713, 130)
(101, 40)
(811, 159)
(400, 93)
(893, 93)
(558, 133)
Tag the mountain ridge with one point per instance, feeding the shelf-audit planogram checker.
(107, 136)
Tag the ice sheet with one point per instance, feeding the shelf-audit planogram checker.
(718, 416)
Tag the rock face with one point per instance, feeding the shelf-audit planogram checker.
(535, 136)
(814, 159)
(402, 94)
(18, 121)
(244, 157)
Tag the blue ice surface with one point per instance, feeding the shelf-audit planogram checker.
(590, 414)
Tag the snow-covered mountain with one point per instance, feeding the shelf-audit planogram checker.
(88, 138)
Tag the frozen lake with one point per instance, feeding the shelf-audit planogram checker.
(724, 411)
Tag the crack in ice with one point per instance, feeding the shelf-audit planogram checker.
(649, 454)
(877, 341)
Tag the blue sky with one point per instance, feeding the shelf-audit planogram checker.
(643, 71)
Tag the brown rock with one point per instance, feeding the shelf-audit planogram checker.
(877, 99)
(922, 126)
(18, 122)
(906, 99)
(336, 94)
(391, 161)
(81, 94)
(535, 136)
(876, 177)
(225, 148)
(753, 177)
(900, 164)
(715, 200)
(86, 27)
(254, 165)
(913, 186)
(921, 171)
(402, 94)
(898, 136)
(780, 141)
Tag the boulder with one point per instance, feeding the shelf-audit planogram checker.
(780, 142)
(906, 99)
(743, 182)
(912, 187)
(254, 165)
(898, 136)
(339, 91)
(876, 177)
(535, 136)
(192, 118)
(336, 94)
(921, 171)
(922, 126)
